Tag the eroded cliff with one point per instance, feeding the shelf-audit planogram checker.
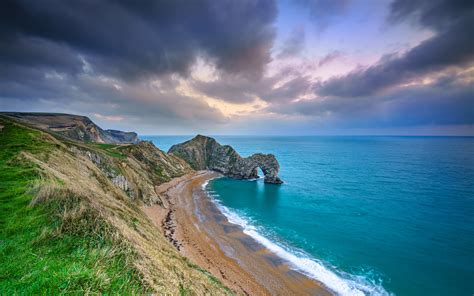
(74, 127)
(205, 153)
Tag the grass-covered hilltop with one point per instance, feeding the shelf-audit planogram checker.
(70, 213)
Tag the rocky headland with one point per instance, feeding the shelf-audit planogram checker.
(74, 127)
(205, 153)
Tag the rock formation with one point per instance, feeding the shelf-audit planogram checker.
(205, 153)
(121, 137)
(135, 169)
(74, 127)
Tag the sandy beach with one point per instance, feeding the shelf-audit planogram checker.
(196, 227)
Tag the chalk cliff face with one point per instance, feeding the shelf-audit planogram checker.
(75, 127)
(206, 153)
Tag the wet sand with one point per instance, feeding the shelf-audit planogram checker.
(196, 227)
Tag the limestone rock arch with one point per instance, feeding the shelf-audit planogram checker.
(205, 153)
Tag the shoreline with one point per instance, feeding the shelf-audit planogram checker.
(192, 222)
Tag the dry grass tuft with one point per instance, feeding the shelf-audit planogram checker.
(43, 191)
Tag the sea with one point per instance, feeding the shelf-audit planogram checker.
(364, 215)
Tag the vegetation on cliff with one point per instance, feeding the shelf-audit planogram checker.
(71, 219)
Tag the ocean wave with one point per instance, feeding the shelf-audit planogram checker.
(338, 282)
(204, 185)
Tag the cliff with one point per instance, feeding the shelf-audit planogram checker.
(205, 153)
(71, 214)
(74, 127)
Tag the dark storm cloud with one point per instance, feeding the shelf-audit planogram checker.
(120, 58)
(133, 39)
(130, 60)
(37, 53)
(443, 103)
(437, 14)
(451, 46)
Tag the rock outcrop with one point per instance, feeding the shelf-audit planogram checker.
(135, 169)
(205, 153)
(74, 127)
(122, 137)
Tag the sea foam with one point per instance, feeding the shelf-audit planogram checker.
(341, 284)
(204, 185)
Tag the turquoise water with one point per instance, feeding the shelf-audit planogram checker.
(382, 214)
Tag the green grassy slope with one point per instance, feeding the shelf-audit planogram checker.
(66, 226)
(39, 253)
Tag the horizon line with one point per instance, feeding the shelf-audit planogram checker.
(308, 135)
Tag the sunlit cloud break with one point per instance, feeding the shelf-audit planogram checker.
(262, 67)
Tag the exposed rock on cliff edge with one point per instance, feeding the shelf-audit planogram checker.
(203, 153)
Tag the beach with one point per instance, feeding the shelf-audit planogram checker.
(196, 227)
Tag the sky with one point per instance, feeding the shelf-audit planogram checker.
(247, 67)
